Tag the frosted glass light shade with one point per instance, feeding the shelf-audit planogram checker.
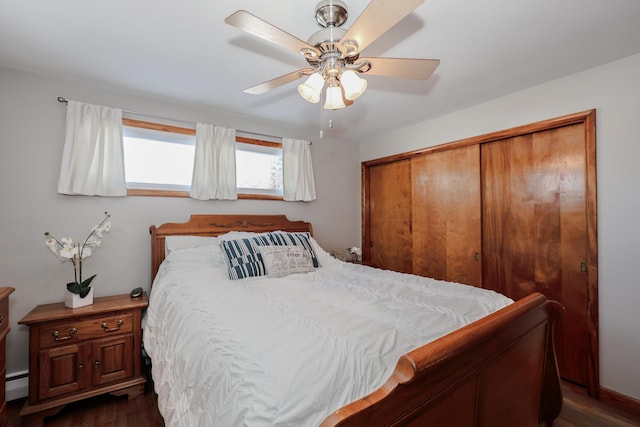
(312, 88)
(333, 98)
(353, 85)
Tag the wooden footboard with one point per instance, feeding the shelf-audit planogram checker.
(498, 371)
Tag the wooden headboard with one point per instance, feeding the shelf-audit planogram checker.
(215, 225)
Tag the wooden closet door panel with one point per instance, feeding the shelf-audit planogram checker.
(446, 215)
(389, 216)
(573, 247)
(535, 229)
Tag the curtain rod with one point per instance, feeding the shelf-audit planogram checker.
(64, 100)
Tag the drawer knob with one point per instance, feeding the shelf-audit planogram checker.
(117, 328)
(56, 335)
(1, 319)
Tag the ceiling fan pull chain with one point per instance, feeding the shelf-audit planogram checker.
(321, 114)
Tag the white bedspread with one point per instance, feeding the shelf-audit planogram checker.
(288, 351)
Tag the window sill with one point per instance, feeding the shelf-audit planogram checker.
(169, 193)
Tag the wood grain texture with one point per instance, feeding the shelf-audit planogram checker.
(546, 197)
(446, 215)
(101, 305)
(78, 353)
(389, 231)
(535, 233)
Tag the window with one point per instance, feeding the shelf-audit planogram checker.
(258, 167)
(159, 162)
(158, 159)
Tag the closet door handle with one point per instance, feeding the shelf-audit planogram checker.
(583, 267)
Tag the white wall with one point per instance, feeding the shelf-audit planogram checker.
(31, 140)
(614, 91)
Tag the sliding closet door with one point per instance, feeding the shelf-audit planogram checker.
(446, 215)
(387, 237)
(535, 236)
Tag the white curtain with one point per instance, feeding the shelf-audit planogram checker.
(298, 182)
(92, 159)
(214, 168)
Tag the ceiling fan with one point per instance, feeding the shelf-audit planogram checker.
(333, 53)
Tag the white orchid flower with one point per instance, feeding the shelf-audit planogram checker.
(97, 231)
(65, 249)
(85, 252)
(52, 244)
(93, 241)
(68, 251)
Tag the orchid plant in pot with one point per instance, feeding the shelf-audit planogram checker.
(80, 292)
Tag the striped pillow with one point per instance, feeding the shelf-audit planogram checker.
(244, 258)
(280, 238)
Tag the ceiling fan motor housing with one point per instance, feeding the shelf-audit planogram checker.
(331, 13)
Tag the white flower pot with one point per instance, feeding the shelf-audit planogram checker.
(72, 300)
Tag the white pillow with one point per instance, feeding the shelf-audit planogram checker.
(172, 243)
(281, 261)
(235, 235)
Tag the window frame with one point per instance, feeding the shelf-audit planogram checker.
(188, 131)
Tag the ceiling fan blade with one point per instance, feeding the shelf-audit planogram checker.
(378, 17)
(406, 68)
(278, 81)
(259, 28)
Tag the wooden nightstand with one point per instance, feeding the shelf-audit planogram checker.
(4, 330)
(83, 352)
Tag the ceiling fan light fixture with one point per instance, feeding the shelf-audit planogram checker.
(333, 99)
(334, 53)
(312, 88)
(353, 85)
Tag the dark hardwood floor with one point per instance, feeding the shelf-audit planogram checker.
(578, 411)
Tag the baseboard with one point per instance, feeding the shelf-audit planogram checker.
(17, 385)
(620, 400)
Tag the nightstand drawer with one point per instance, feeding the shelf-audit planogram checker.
(99, 327)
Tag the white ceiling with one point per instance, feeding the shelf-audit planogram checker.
(184, 50)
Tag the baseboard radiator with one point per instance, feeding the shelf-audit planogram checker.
(17, 385)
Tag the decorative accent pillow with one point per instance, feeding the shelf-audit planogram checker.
(284, 260)
(281, 238)
(244, 258)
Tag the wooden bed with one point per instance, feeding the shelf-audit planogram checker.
(498, 371)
